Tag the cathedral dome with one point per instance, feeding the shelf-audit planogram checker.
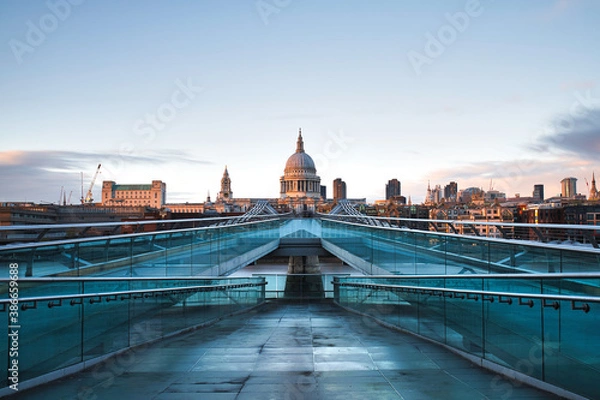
(300, 175)
(300, 163)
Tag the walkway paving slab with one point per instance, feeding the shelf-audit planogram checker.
(288, 350)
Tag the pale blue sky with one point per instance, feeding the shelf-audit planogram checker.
(512, 95)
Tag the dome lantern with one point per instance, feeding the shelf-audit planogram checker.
(300, 143)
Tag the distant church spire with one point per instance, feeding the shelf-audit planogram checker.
(594, 195)
(300, 142)
(225, 194)
(429, 196)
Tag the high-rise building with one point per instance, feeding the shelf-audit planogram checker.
(538, 192)
(436, 194)
(433, 196)
(339, 189)
(392, 189)
(323, 191)
(451, 191)
(568, 187)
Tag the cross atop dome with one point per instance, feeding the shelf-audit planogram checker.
(300, 142)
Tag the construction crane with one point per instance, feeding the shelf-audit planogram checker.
(89, 199)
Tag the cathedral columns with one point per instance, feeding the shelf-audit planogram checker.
(300, 185)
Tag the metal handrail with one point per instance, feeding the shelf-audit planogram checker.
(109, 296)
(485, 238)
(547, 275)
(503, 297)
(468, 222)
(118, 223)
(121, 236)
(120, 278)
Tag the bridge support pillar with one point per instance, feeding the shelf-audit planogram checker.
(303, 279)
(304, 265)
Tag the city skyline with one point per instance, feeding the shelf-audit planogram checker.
(465, 91)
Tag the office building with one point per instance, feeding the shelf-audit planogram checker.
(339, 189)
(393, 189)
(451, 191)
(568, 187)
(538, 192)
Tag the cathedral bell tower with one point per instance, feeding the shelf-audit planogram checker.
(225, 194)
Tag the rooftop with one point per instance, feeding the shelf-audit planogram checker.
(132, 187)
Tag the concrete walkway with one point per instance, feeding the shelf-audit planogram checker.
(287, 351)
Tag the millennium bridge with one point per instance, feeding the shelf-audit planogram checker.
(429, 309)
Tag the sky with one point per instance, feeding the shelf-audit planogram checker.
(491, 94)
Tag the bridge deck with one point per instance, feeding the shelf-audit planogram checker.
(299, 351)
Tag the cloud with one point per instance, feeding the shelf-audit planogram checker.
(562, 5)
(452, 109)
(39, 175)
(577, 85)
(184, 197)
(577, 135)
(514, 99)
(10, 157)
(558, 8)
(68, 159)
(571, 148)
(297, 116)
